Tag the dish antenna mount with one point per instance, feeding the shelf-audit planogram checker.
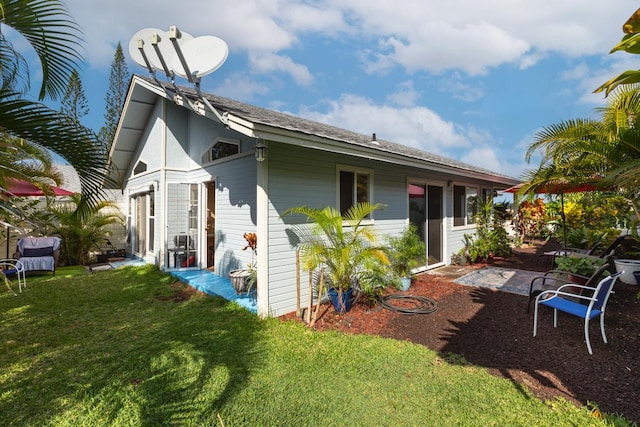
(178, 53)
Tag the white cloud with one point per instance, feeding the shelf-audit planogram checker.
(406, 96)
(416, 34)
(412, 126)
(266, 63)
(454, 85)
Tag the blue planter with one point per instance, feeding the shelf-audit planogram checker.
(341, 300)
(406, 283)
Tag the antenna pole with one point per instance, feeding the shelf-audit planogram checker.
(155, 40)
(174, 35)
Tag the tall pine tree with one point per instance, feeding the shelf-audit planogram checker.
(117, 91)
(74, 104)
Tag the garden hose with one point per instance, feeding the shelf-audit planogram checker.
(423, 305)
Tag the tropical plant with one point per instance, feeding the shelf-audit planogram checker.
(343, 245)
(490, 238)
(406, 251)
(82, 225)
(604, 153)
(49, 29)
(582, 265)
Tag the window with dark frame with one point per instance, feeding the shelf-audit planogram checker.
(355, 187)
(465, 205)
(220, 150)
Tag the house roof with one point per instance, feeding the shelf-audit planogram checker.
(272, 125)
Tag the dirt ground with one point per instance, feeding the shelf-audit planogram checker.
(492, 329)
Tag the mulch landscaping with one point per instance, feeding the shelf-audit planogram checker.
(492, 329)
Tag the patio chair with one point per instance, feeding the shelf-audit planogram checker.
(13, 267)
(557, 278)
(570, 251)
(559, 300)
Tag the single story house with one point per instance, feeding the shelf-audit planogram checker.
(198, 171)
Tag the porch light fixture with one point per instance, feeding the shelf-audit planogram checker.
(261, 150)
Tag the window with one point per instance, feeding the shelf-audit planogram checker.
(220, 149)
(139, 168)
(465, 205)
(152, 217)
(354, 187)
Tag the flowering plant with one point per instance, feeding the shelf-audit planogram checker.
(252, 243)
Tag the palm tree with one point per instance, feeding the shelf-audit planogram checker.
(80, 232)
(55, 37)
(343, 245)
(605, 152)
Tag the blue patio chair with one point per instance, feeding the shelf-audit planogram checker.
(569, 302)
(13, 267)
(553, 279)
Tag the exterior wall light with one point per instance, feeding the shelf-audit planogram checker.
(260, 150)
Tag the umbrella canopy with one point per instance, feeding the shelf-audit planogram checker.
(555, 188)
(21, 188)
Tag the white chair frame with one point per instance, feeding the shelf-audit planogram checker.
(15, 264)
(575, 308)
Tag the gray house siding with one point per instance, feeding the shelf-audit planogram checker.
(235, 212)
(294, 180)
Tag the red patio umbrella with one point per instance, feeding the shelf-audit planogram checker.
(20, 188)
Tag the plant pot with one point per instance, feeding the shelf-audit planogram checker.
(341, 300)
(406, 283)
(240, 280)
(630, 267)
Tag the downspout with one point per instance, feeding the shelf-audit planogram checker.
(262, 229)
(162, 189)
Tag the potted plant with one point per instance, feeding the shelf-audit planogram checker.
(630, 269)
(244, 279)
(406, 251)
(580, 268)
(342, 244)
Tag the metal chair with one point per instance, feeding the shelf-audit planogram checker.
(11, 267)
(558, 278)
(558, 301)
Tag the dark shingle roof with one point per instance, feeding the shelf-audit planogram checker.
(297, 124)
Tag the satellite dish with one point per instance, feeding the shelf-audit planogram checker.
(203, 55)
(145, 35)
(166, 49)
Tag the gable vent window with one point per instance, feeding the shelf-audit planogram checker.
(140, 167)
(219, 150)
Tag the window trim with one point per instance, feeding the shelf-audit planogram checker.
(464, 214)
(356, 171)
(207, 151)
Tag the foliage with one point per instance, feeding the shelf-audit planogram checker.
(406, 251)
(532, 219)
(120, 347)
(490, 238)
(81, 228)
(629, 44)
(74, 102)
(252, 243)
(114, 99)
(582, 265)
(49, 29)
(344, 245)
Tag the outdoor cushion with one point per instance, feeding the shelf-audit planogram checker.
(36, 252)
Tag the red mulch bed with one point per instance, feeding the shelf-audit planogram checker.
(492, 329)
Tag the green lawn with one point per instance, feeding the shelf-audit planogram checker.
(107, 349)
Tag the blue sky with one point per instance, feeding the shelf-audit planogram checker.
(472, 80)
